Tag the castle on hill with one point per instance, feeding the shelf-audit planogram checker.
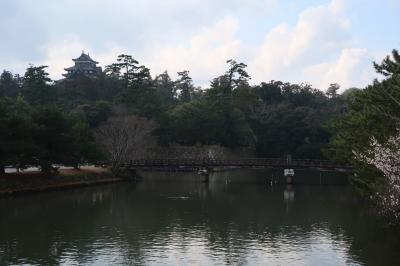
(84, 65)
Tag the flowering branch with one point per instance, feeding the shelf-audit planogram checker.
(386, 158)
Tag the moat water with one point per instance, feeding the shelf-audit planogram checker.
(238, 218)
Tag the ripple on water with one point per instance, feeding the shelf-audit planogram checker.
(213, 227)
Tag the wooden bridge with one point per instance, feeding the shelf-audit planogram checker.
(240, 163)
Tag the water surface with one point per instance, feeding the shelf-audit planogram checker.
(174, 219)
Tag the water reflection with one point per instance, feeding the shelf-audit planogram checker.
(288, 193)
(176, 219)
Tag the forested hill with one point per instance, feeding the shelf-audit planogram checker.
(44, 119)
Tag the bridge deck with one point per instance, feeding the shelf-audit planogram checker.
(250, 162)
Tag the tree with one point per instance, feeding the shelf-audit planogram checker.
(207, 122)
(246, 99)
(332, 90)
(185, 86)
(124, 138)
(9, 84)
(129, 70)
(235, 75)
(166, 89)
(139, 93)
(55, 139)
(17, 129)
(224, 85)
(36, 88)
(286, 129)
(270, 93)
(85, 149)
(385, 157)
(92, 114)
(289, 118)
(3, 134)
(113, 71)
(389, 66)
(126, 68)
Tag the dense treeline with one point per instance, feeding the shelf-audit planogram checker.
(42, 136)
(45, 122)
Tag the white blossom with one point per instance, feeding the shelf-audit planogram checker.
(386, 158)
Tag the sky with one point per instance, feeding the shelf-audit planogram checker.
(315, 41)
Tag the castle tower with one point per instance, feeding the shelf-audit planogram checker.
(84, 65)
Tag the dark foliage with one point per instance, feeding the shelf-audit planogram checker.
(276, 118)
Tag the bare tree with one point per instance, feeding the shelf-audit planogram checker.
(125, 138)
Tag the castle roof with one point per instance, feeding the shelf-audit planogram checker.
(84, 58)
(70, 68)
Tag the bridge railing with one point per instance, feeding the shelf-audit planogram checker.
(247, 162)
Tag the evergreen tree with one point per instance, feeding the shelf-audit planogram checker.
(185, 86)
(36, 88)
(17, 147)
(235, 75)
(166, 89)
(9, 84)
(332, 90)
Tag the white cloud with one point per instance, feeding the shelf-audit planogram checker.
(317, 49)
(205, 53)
(348, 70)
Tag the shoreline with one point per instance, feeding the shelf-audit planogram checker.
(61, 186)
(36, 182)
